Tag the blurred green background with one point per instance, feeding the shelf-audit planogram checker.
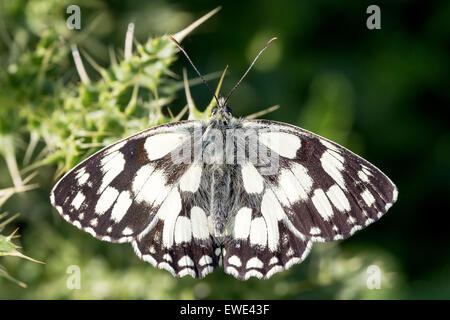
(382, 93)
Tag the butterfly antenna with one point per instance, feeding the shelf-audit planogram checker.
(196, 70)
(249, 68)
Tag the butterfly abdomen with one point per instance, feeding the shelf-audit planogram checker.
(218, 183)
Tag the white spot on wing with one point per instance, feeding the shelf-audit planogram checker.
(183, 231)
(285, 144)
(199, 223)
(157, 146)
(205, 260)
(272, 212)
(90, 231)
(167, 257)
(185, 261)
(106, 200)
(190, 180)
(368, 197)
(291, 186)
(258, 232)
(281, 196)
(254, 263)
(232, 271)
(166, 266)
(253, 273)
(338, 198)
(333, 165)
(207, 270)
(78, 200)
(322, 204)
(315, 231)
(363, 176)
(301, 173)
(121, 207)
(112, 166)
(234, 260)
(366, 170)
(154, 190)
(169, 212)
(141, 177)
(77, 224)
(242, 223)
(83, 178)
(127, 231)
(187, 272)
(274, 270)
(148, 258)
(292, 261)
(94, 222)
(253, 181)
(271, 207)
(273, 260)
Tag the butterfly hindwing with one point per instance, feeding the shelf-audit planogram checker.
(263, 241)
(179, 240)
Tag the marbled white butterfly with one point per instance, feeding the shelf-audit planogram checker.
(251, 195)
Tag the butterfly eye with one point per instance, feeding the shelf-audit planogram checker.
(228, 109)
(214, 110)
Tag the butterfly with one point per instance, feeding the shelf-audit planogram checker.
(249, 195)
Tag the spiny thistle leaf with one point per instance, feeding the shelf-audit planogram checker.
(5, 274)
(8, 248)
(129, 97)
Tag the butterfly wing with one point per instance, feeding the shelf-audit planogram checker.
(320, 191)
(180, 241)
(130, 192)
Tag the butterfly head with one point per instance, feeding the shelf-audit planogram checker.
(221, 111)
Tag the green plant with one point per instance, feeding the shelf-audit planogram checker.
(67, 122)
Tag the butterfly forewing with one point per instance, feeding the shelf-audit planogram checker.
(115, 194)
(326, 190)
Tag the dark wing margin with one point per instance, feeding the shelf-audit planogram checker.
(320, 192)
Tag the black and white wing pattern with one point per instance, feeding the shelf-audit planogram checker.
(319, 192)
(132, 192)
(190, 216)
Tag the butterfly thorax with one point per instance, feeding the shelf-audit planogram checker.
(219, 174)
